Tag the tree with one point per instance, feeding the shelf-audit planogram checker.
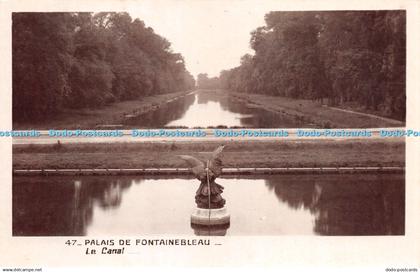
(42, 45)
(77, 60)
(346, 56)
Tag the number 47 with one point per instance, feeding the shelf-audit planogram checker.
(70, 242)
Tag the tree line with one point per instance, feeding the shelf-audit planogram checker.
(346, 57)
(206, 82)
(86, 60)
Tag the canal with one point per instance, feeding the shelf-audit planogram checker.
(346, 204)
(203, 109)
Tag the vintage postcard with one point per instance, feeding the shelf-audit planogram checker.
(210, 134)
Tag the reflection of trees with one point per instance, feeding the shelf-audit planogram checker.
(295, 193)
(164, 114)
(260, 118)
(62, 205)
(346, 204)
(203, 97)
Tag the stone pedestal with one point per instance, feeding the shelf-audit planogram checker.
(214, 225)
(213, 217)
(214, 230)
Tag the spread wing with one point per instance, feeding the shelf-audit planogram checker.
(196, 165)
(215, 162)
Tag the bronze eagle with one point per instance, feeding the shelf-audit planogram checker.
(207, 174)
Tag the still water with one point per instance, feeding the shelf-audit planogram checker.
(211, 109)
(367, 204)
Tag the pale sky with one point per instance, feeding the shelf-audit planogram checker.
(211, 35)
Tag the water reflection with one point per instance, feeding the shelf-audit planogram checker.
(207, 113)
(267, 205)
(160, 117)
(212, 109)
(254, 117)
(347, 204)
(63, 206)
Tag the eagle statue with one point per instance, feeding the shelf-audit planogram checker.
(208, 195)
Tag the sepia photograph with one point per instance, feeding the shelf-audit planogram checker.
(140, 127)
(111, 72)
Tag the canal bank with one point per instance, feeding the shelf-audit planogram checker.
(314, 112)
(110, 116)
(237, 154)
(226, 172)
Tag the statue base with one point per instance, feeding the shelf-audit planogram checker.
(212, 230)
(211, 217)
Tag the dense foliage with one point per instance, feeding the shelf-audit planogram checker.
(206, 82)
(76, 60)
(355, 57)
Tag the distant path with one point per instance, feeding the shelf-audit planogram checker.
(393, 121)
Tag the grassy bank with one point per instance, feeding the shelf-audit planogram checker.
(309, 153)
(112, 114)
(309, 111)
